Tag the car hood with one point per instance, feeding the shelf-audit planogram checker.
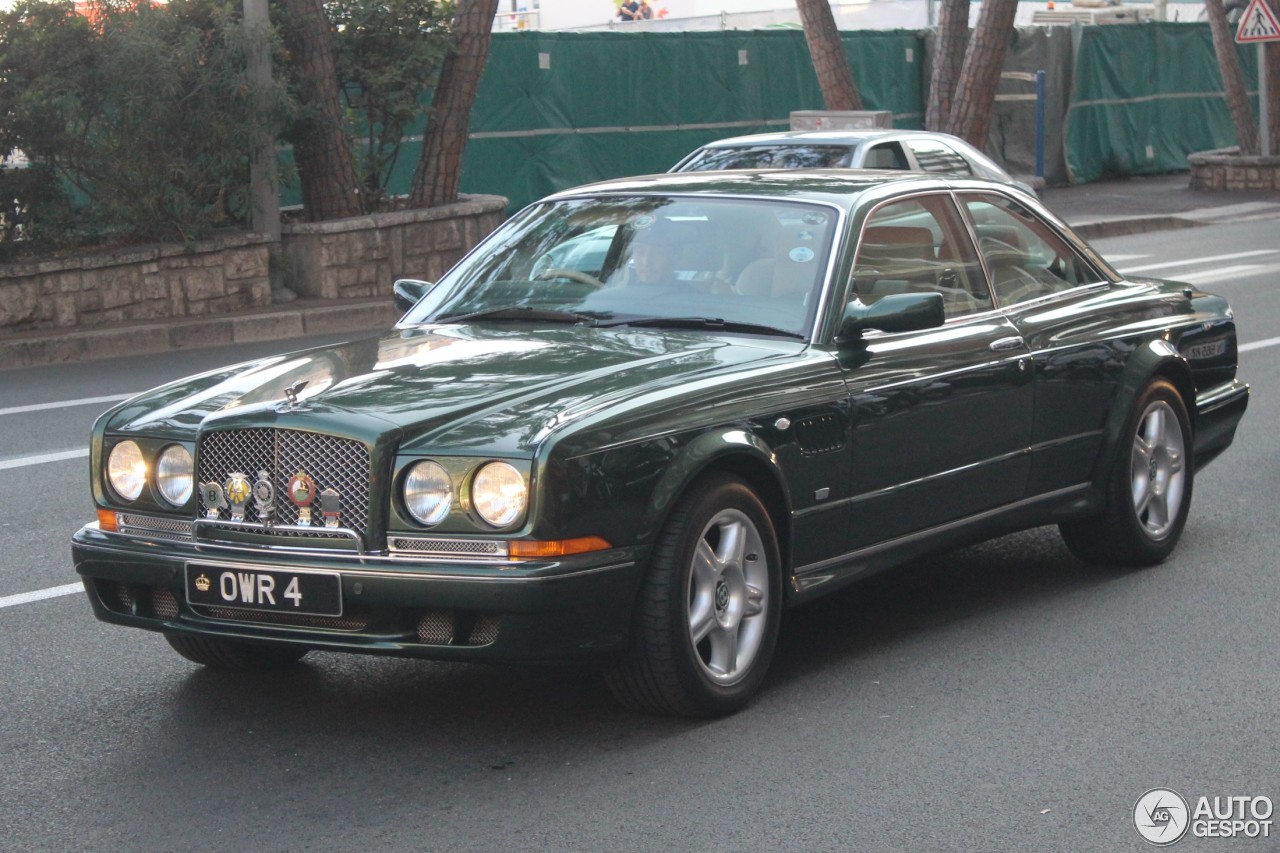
(500, 387)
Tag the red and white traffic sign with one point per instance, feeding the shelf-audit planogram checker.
(1258, 23)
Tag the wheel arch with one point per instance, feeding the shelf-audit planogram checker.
(1156, 359)
(737, 453)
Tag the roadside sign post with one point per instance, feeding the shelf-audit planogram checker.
(1258, 25)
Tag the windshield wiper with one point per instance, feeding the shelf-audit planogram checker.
(715, 324)
(516, 312)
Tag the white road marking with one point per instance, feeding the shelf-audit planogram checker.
(65, 404)
(40, 595)
(1234, 256)
(1269, 342)
(60, 456)
(1228, 273)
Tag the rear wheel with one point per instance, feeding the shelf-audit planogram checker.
(219, 653)
(1149, 491)
(707, 616)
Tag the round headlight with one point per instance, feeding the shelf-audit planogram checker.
(428, 493)
(498, 494)
(175, 474)
(127, 470)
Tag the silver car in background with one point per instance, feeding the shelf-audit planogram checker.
(906, 150)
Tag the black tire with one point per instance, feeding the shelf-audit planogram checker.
(1148, 489)
(219, 653)
(735, 604)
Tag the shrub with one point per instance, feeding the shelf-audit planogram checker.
(143, 112)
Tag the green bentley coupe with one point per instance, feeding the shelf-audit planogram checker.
(645, 417)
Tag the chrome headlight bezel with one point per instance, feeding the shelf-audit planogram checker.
(499, 494)
(427, 492)
(175, 466)
(125, 470)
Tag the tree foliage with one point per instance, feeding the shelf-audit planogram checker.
(387, 56)
(143, 113)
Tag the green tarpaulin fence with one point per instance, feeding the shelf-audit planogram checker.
(557, 110)
(1144, 97)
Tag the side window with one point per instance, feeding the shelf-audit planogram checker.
(920, 245)
(886, 155)
(938, 157)
(1025, 258)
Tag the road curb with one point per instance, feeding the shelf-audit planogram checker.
(1098, 228)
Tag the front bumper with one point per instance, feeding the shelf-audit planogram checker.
(1218, 413)
(509, 612)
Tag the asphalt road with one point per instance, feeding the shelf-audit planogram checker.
(1000, 697)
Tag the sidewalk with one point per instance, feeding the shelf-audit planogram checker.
(1103, 209)
(1158, 203)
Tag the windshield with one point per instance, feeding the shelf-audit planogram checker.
(606, 261)
(783, 155)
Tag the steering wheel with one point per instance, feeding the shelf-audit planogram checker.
(575, 275)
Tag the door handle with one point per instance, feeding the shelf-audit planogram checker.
(1006, 344)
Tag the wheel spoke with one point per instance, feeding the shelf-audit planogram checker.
(1175, 462)
(702, 618)
(706, 569)
(1157, 513)
(733, 544)
(755, 602)
(1141, 451)
(724, 651)
(1142, 494)
(1155, 428)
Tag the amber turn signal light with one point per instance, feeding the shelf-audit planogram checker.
(532, 549)
(107, 520)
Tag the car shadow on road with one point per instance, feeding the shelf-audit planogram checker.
(941, 593)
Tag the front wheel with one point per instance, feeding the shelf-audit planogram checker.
(220, 653)
(707, 616)
(1149, 490)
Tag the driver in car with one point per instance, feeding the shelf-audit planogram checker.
(656, 249)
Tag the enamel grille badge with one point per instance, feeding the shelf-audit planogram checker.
(214, 499)
(264, 494)
(238, 492)
(302, 491)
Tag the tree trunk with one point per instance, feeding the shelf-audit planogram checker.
(948, 58)
(1232, 79)
(439, 171)
(976, 89)
(835, 78)
(321, 150)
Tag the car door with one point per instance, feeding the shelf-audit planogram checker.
(1054, 295)
(941, 417)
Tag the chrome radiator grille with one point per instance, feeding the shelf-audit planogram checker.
(334, 463)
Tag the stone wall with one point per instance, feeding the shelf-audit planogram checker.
(136, 284)
(340, 260)
(1227, 170)
(363, 255)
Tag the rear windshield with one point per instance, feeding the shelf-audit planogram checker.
(769, 157)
